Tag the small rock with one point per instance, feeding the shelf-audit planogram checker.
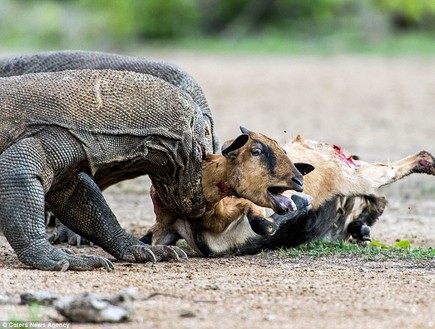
(96, 309)
(187, 314)
(211, 287)
(41, 297)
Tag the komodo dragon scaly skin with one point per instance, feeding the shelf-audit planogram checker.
(62, 133)
(77, 60)
(56, 61)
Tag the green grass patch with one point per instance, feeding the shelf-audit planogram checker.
(374, 251)
(34, 315)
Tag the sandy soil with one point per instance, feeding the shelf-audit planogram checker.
(379, 108)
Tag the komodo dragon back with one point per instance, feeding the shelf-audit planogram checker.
(73, 60)
(116, 117)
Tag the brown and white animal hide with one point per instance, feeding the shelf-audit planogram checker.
(345, 202)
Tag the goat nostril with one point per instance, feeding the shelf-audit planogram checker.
(298, 181)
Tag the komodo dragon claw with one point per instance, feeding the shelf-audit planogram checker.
(103, 262)
(178, 252)
(92, 262)
(71, 238)
(143, 253)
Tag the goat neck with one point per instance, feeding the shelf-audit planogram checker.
(215, 178)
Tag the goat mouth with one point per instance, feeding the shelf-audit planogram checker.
(280, 203)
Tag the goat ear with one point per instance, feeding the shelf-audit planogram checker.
(244, 130)
(304, 168)
(235, 145)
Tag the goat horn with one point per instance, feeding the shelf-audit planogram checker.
(244, 130)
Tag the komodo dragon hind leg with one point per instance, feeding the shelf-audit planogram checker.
(61, 234)
(22, 211)
(83, 209)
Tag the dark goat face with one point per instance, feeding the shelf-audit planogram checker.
(260, 171)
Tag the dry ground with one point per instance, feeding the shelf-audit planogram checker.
(378, 108)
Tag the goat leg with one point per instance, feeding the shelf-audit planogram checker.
(259, 224)
(381, 174)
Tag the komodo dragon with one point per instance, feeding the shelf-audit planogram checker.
(64, 133)
(56, 61)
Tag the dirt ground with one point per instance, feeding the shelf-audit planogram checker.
(379, 108)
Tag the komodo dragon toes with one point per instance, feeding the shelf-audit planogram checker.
(143, 253)
(65, 259)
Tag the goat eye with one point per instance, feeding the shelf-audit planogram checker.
(256, 151)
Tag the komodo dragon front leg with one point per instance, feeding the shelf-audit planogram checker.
(83, 199)
(22, 185)
(34, 173)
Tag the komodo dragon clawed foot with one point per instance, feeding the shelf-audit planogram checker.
(136, 253)
(53, 259)
(141, 253)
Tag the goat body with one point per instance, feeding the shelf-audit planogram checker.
(344, 203)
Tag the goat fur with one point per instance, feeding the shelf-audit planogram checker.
(345, 203)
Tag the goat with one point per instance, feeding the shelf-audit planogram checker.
(344, 203)
(252, 170)
(352, 183)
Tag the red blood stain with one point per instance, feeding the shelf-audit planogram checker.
(347, 160)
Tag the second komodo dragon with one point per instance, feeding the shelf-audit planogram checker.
(55, 61)
(62, 132)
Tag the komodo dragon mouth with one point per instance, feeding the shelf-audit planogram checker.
(280, 203)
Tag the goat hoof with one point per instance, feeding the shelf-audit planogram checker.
(262, 226)
(301, 200)
(365, 231)
(359, 231)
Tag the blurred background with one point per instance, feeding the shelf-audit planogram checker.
(356, 73)
(345, 71)
(315, 26)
